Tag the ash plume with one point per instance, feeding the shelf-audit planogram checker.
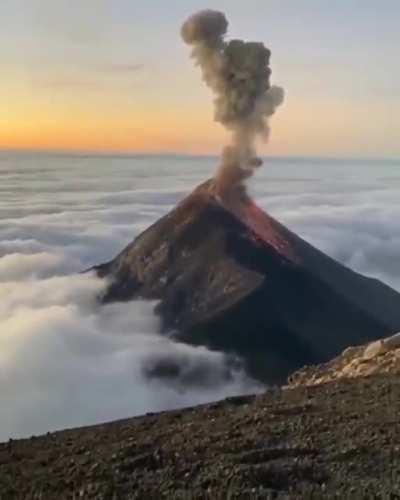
(238, 73)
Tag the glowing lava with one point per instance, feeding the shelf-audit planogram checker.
(265, 230)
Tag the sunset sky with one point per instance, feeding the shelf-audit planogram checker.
(114, 75)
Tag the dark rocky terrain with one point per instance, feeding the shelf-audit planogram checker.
(336, 440)
(232, 278)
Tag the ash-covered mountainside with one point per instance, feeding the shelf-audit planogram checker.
(230, 277)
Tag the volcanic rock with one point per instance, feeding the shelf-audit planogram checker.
(230, 277)
(333, 441)
(377, 358)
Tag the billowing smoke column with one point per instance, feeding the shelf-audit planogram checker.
(238, 72)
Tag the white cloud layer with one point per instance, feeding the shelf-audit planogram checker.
(64, 360)
(67, 361)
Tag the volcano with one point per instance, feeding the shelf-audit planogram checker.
(228, 276)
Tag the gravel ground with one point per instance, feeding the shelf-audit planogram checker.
(336, 440)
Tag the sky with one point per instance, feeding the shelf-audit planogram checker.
(115, 76)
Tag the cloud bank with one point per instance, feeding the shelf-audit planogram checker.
(64, 361)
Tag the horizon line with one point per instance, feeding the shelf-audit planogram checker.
(177, 154)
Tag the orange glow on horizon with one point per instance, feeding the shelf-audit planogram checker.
(87, 122)
(300, 127)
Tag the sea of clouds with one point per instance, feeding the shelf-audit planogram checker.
(67, 361)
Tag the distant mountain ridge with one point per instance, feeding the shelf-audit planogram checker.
(232, 278)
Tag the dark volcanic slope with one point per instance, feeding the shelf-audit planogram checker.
(338, 440)
(230, 277)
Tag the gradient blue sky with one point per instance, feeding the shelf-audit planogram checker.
(115, 75)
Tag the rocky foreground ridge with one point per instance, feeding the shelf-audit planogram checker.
(339, 439)
(377, 358)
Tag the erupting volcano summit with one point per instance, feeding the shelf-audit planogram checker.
(225, 273)
(230, 277)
